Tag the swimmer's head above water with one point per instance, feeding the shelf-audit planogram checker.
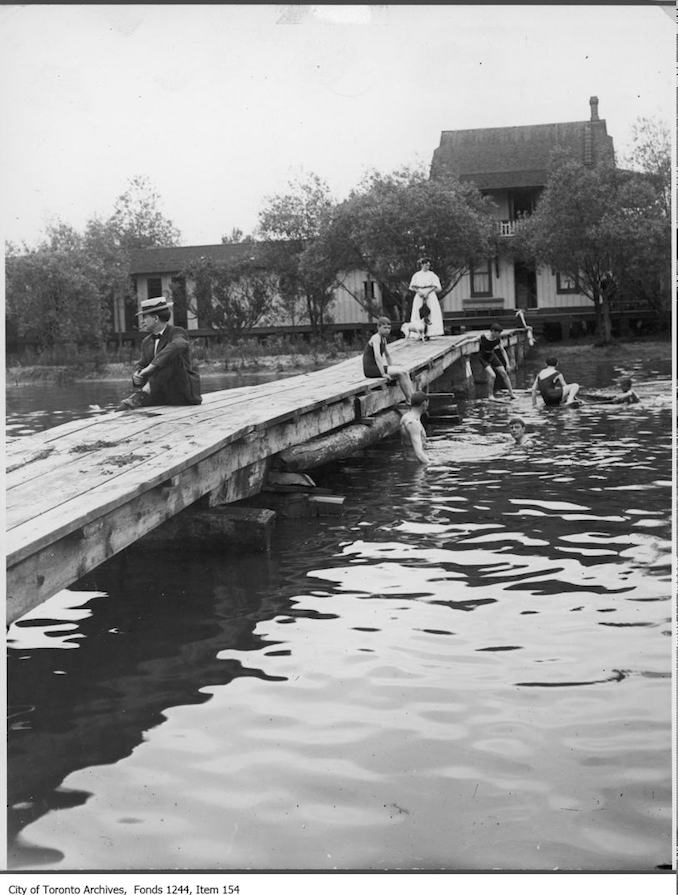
(419, 399)
(517, 429)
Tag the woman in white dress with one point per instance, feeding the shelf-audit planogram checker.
(426, 285)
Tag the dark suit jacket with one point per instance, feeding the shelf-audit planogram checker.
(175, 381)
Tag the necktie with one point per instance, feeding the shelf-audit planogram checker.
(156, 339)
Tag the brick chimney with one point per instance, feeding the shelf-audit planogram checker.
(593, 102)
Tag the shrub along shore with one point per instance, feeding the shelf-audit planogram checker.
(283, 356)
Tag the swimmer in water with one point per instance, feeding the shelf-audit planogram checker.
(551, 385)
(517, 430)
(628, 396)
(412, 432)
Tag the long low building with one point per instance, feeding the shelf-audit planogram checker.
(158, 270)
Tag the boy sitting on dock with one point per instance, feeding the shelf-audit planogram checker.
(164, 374)
(412, 432)
(377, 360)
(493, 357)
(551, 385)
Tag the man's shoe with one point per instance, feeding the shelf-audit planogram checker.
(132, 402)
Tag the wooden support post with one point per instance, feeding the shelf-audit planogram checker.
(326, 505)
(241, 483)
(444, 382)
(443, 406)
(291, 505)
(215, 528)
(338, 444)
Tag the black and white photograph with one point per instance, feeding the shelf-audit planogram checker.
(339, 447)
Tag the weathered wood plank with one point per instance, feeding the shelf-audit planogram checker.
(146, 436)
(145, 476)
(69, 510)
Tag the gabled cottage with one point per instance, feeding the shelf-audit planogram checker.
(510, 164)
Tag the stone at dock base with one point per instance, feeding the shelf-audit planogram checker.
(215, 529)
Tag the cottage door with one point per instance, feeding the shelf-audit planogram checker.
(525, 285)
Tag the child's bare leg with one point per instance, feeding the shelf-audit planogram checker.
(404, 381)
(491, 376)
(507, 380)
(570, 392)
(406, 385)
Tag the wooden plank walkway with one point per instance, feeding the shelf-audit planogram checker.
(81, 492)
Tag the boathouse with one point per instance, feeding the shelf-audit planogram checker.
(510, 165)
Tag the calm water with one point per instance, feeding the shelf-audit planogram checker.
(469, 669)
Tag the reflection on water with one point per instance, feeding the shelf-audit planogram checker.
(468, 670)
(34, 406)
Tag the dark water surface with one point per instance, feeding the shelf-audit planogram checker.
(468, 670)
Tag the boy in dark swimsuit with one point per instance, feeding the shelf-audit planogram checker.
(377, 360)
(551, 385)
(494, 359)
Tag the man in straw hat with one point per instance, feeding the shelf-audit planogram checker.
(164, 374)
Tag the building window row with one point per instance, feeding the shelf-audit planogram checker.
(481, 281)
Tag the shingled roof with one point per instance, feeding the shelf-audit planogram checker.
(503, 157)
(173, 259)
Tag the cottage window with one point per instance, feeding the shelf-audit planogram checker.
(368, 290)
(481, 279)
(154, 287)
(566, 283)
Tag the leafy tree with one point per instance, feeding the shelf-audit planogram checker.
(53, 292)
(292, 222)
(233, 297)
(236, 236)
(651, 154)
(390, 220)
(605, 226)
(641, 231)
(137, 220)
(646, 273)
(64, 288)
(588, 224)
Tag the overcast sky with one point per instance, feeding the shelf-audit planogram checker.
(221, 105)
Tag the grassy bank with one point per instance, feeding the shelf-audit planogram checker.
(294, 357)
(283, 354)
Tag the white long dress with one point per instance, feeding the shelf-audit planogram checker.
(421, 279)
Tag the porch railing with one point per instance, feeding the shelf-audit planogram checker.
(507, 228)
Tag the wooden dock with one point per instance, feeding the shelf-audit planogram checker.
(81, 492)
